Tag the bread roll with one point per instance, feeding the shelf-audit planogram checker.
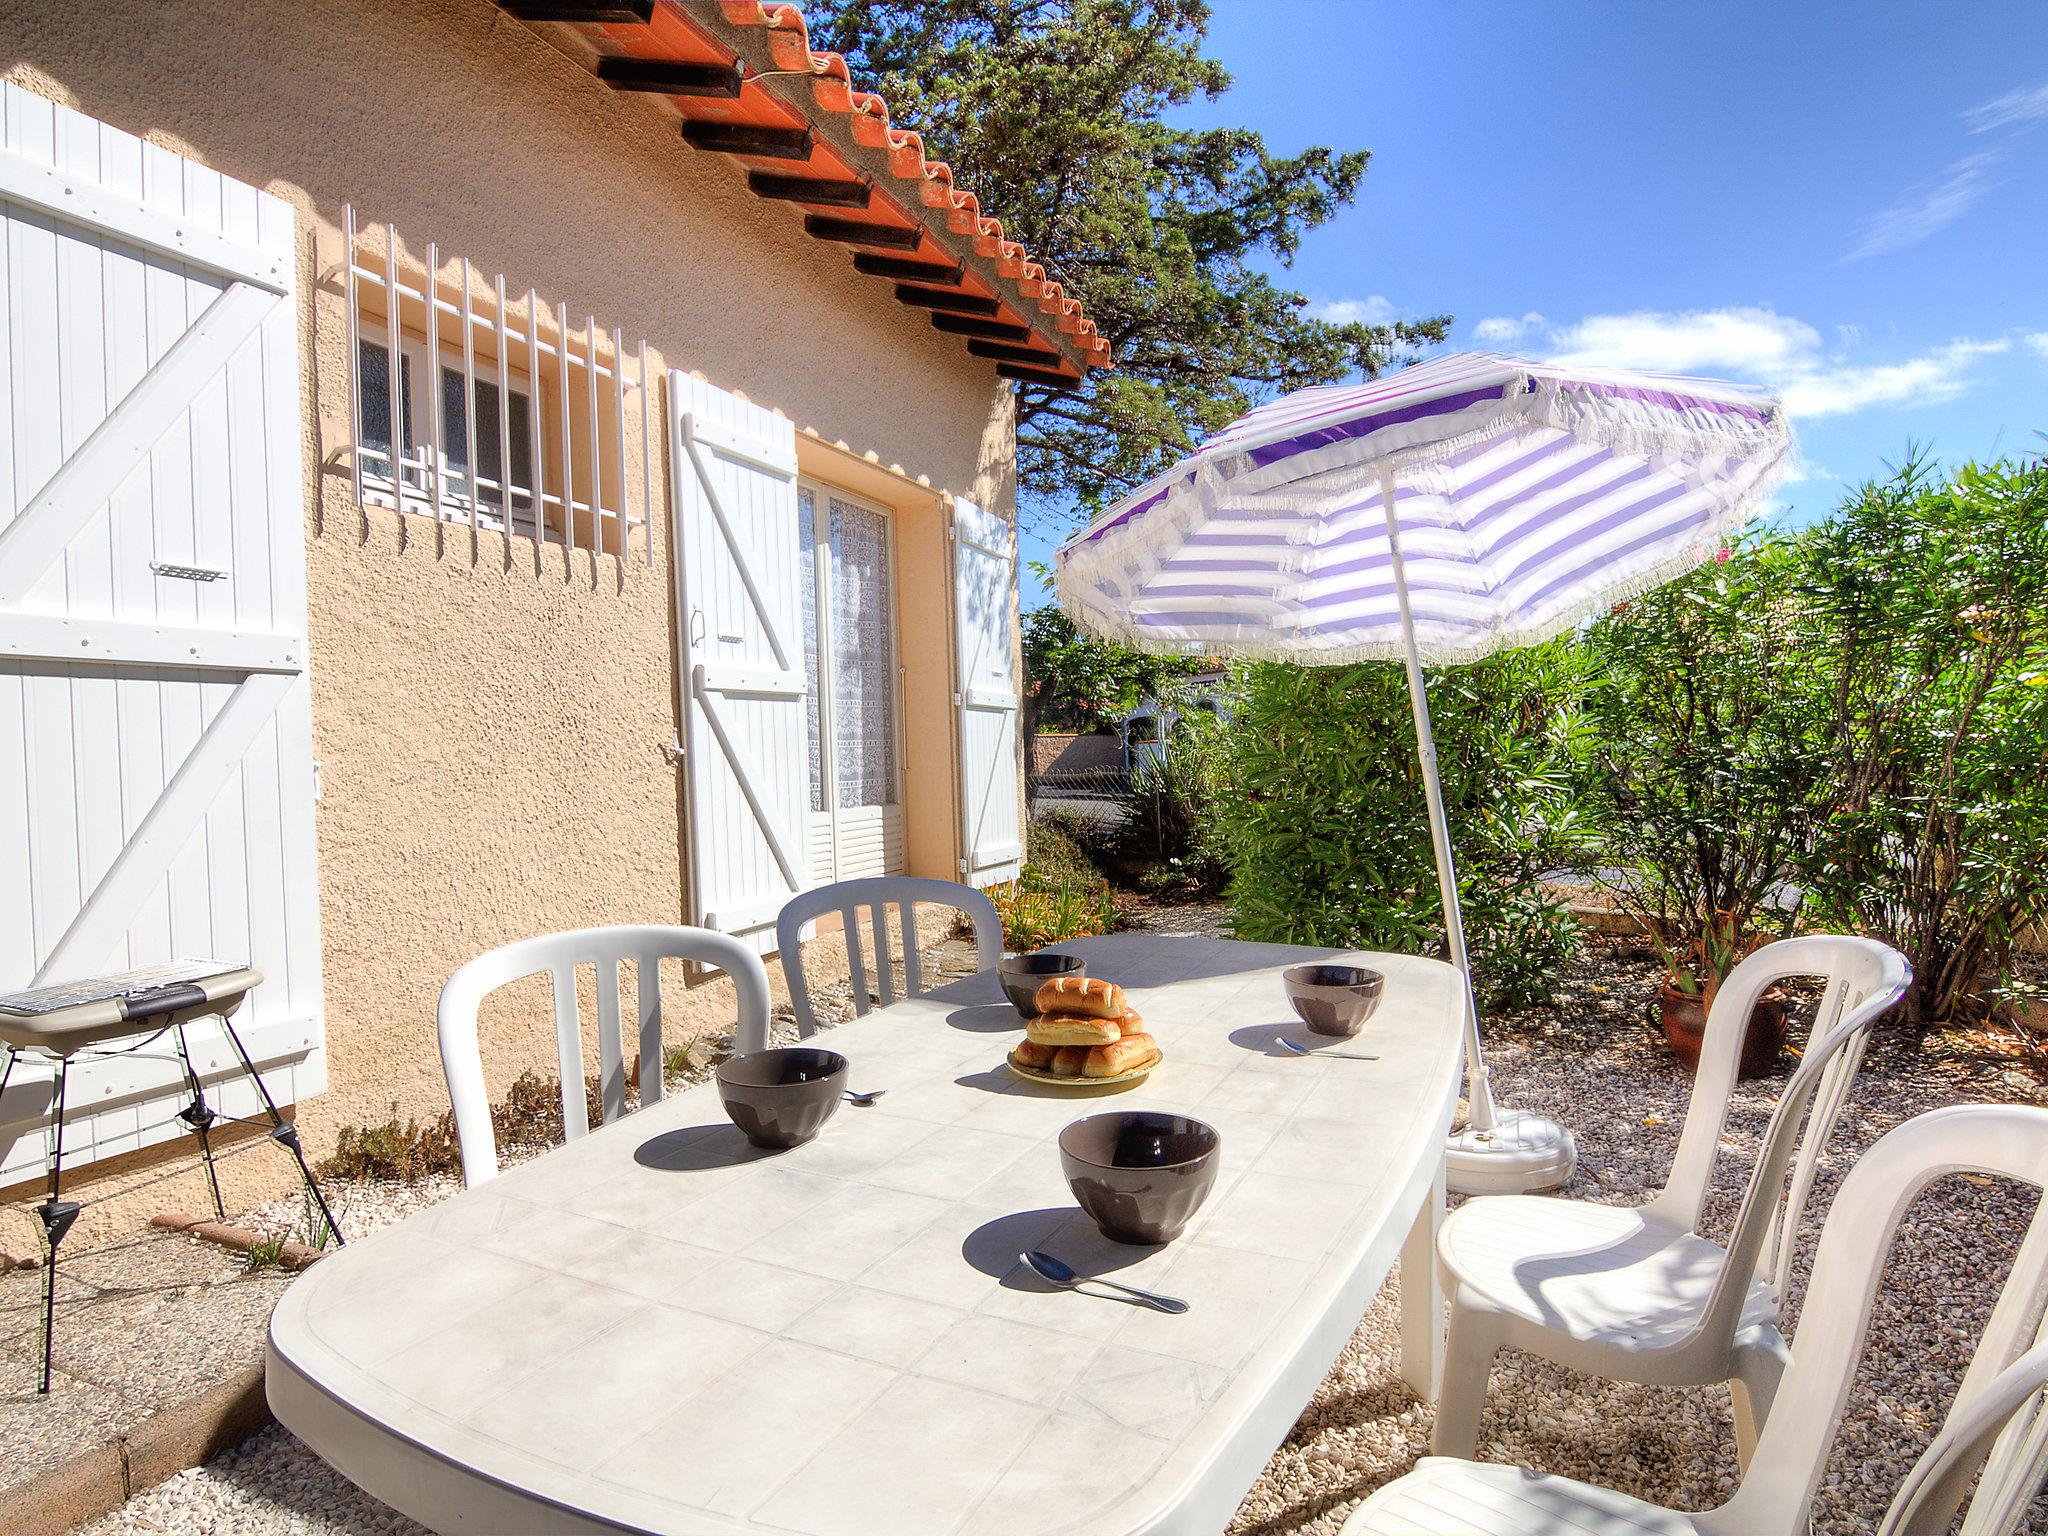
(1089, 996)
(1071, 1029)
(1029, 1053)
(1132, 1022)
(1070, 1060)
(1127, 1055)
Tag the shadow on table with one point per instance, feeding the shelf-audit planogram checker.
(1002, 1080)
(1264, 1039)
(1153, 959)
(986, 1019)
(996, 1247)
(697, 1147)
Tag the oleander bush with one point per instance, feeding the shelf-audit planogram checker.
(1708, 775)
(1930, 600)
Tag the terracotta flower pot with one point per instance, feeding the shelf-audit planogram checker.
(1685, 1025)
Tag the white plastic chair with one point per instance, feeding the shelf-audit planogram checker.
(877, 896)
(1997, 1412)
(1635, 1293)
(559, 954)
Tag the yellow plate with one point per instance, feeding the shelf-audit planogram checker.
(1084, 1082)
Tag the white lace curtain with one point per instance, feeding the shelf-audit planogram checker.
(859, 653)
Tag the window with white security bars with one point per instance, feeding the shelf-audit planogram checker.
(474, 405)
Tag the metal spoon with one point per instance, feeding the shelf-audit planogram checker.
(1063, 1275)
(1301, 1050)
(863, 1100)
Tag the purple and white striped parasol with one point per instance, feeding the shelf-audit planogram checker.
(1527, 497)
(1441, 513)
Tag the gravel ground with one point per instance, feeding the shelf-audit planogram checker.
(140, 1323)
(1595, 1062)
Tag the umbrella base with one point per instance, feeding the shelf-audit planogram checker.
(1521, 1155)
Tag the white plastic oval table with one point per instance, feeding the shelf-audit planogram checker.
(658, 1328)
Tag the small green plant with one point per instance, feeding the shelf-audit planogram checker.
(318, 1232)
(1036, 913)
(264, 1253)
(395, 1153)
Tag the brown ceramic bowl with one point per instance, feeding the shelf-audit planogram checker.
(1334, 999)
(1142, 1174)
(782, 1097)
(1023, 975)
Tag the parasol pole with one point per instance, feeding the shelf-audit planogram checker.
(1478, 1094)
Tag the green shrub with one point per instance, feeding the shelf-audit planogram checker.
(1931, 601)
(1709, 770)
(1321, 820)
(1056, 844)
(1170, 818)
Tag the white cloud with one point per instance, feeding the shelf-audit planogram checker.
(1781, 352)
(1928, 379)
(1749, 343)
(2025, 104)
(2038, 342)
(1375, 309)
(1503, 330)
(1927, 208)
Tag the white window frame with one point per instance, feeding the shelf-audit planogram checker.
(822, 494)
(414, 495)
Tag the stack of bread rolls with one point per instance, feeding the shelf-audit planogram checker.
(1084, 1029)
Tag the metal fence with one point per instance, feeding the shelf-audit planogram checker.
(1098, 794)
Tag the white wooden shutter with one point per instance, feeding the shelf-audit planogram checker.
(984, 618)
(740, 615)
(156, 774)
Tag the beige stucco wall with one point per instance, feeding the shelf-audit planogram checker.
(490, 737)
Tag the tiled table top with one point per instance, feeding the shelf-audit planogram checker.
(659, 1328)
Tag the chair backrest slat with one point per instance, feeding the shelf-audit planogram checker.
(559, 956)
(856, 968)
(913, 967)
(877, 896)
(647, 992)
(2006, 1373)
(568, 1052)
(611, 1049)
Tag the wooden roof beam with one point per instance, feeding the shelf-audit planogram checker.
(826, 191)
(671, 77)
(946, 298)
(745, 139)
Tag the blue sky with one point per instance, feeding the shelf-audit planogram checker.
(1848, 204)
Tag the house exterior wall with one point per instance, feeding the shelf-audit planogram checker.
(490, 738)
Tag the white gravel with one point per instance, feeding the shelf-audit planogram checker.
(1597, 1065)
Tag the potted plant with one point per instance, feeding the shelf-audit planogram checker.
(1694, 975)
(1708, 703)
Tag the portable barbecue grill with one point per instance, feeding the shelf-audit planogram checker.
(87, 1019)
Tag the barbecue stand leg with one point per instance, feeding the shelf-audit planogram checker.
(200, 1116)
(283, 1131)
(57, 1214)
